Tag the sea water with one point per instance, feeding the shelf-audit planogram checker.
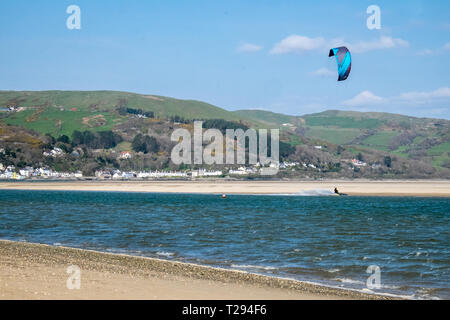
(322, 239)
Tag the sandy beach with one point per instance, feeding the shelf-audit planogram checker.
(35, 271)
(426, 188)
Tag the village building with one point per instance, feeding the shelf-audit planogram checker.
(125, 155)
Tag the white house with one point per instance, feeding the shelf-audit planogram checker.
(117, 175)
(358, 163)
(45, 172)
(206, 173)
(127, 175)
(78, 174)
(56, 152)
(125, 155)
(286, 164)
(103, 174)
(26, 172)
(274, 165)
(162, 174)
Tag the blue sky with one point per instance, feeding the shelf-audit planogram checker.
(270, 55)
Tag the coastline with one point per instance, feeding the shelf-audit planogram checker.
(419, 188)
(38, 271)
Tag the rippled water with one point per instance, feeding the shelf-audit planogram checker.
(327, 240)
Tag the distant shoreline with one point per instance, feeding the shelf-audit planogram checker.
(37, 271)
(419, 188)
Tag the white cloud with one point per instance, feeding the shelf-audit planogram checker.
(249, 47)
(438, 51)
(412, 97)
(425, 52)
(298, 44)
(323, 72)
(420, 103)
(415, 96)
(382, 43)
(363, 99)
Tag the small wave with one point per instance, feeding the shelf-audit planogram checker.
(249, 266)
(349, 281)
(119, 251)
(316, 192)
(308, 193)
(366, 290)
(165, 254)
(428, 293)
(392, 287)
(334, 270)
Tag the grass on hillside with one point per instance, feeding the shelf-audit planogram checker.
(57, 122)
(109, 100)
(380, 140)
(401, 151)
(335, 136)
(440, 149)
(123, 146)
(342, 122)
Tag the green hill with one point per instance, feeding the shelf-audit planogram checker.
(408, 137)
(109, 100)
(63, 112)
(267, 118)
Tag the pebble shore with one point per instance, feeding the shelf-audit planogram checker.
(143, 267)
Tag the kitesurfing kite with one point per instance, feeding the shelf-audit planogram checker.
(344, 61)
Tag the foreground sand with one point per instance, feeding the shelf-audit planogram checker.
(34, 271)
(427, 188)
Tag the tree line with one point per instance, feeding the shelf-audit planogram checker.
(95, 140)
(123, 111)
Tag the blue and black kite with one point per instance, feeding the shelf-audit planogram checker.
(344, 61)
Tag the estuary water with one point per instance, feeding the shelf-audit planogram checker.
(322, 239)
